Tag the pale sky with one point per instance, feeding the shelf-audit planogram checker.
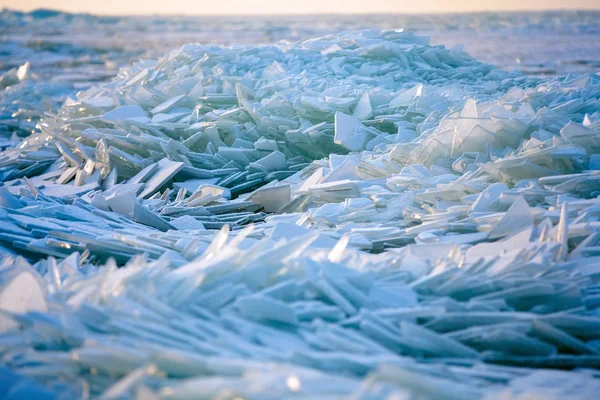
(265, 7)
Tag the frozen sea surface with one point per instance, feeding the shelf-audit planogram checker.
(364, 214)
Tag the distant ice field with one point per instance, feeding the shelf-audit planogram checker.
(547, 43)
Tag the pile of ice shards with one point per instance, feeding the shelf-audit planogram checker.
(23, 101)
(355, 216)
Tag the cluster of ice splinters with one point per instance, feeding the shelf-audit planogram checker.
(361, 215)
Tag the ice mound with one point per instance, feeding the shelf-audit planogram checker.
(211, 98)
(359, 215)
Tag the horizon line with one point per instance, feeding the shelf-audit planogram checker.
(325, 13)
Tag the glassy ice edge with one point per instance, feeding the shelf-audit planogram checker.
(360, 215)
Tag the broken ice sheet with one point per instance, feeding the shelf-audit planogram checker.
(166, 170)
(359, 214)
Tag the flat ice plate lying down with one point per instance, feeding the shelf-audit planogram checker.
(356, 216)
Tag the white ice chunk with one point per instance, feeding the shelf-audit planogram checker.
(517, 218)
(348, 132)
(125, 112)
(21, 291)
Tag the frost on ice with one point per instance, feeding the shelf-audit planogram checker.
(360, 215)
